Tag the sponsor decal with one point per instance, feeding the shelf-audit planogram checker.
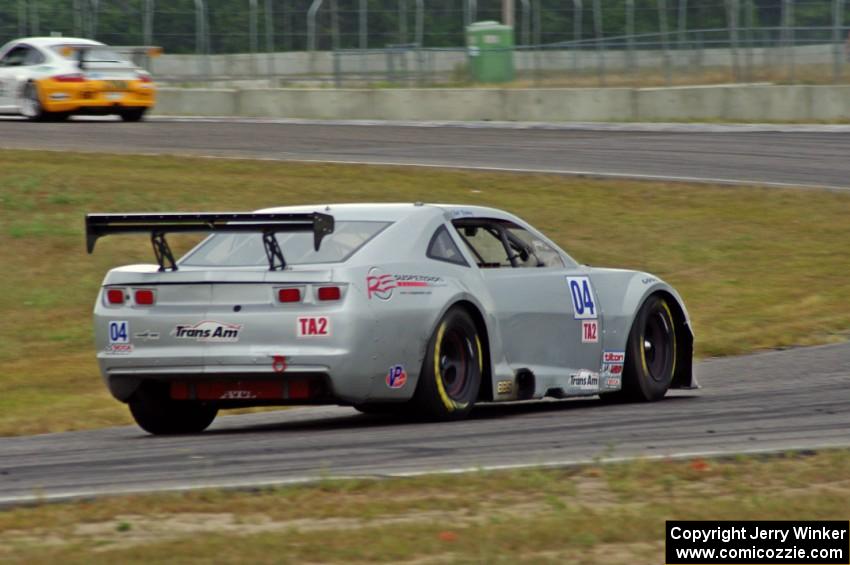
(147, 335)
(614, 357)
(208, 331)
(381, 285)
(119, 349)
(612, 365)
(612, 382)
(649, 280)
(396, 377)
(504, 387)
(119, 332)
(590, 331)
(585, 380)
(237, 395)
(462, 213)
(581, 292)
(278, 363)
(313, 326)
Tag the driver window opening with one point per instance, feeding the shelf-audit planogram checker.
(500, 243)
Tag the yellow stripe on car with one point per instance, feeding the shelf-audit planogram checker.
(448, 402)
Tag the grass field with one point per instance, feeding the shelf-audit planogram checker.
(612, 514)
(758, 268)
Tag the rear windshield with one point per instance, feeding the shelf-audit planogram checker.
(91, 54)
(247, 250)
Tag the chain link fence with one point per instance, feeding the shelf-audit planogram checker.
(414, 43)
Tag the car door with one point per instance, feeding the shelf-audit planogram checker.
(10, 62)
(547, 312)
(15, 69)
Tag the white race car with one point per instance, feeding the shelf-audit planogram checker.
(51, 78)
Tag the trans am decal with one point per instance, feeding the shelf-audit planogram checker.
(585, 380)
(209, 331)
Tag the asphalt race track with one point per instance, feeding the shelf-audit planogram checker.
(786, 155)
(794, 399)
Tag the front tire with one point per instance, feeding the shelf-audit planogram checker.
(651, 352)
(451, 373)
(31, 106)
(158, 414)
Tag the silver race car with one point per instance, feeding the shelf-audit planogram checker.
(420, 308)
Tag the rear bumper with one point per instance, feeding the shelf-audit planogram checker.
(94, 97)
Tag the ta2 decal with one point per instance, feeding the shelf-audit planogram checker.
(590, 331)
(313, 326)
(581, 292)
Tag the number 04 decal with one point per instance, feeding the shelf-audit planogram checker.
(581, 291)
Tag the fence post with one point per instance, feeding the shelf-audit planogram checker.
(683, 24)
(22, 18)
(837, 25)
(537, 39)
(95, 8)
(733, 8)
(335, 43)
(630, 36)
(665, 40)
(33, 17)
(577, 18)
(363, 24)
(749, 23)
(788, 36)
(311, 24)
(147, 22)
(253, 44)
(270, 39)
(402, 21)
(600, 47)
(419, 37)
(202, 42)
(526, 23)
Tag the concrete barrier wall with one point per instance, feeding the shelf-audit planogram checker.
(755, 103)
(321, 63)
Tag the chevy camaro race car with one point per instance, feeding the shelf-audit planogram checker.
(51, 78)
(420, 308)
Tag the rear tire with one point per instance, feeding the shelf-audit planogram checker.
(133, 114)
(650, 354)
(158, 414)
(451, 373)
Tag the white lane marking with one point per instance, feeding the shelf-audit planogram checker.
(670, 127)
(268, 483)
(486, 168)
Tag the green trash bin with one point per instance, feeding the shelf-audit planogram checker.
(490, 51)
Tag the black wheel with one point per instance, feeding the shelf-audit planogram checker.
(451, 373)
(133, 114)
(650, 354)
(157, 414)
(31, 106)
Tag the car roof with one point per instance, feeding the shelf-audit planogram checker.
(51, 41)
(393, 211)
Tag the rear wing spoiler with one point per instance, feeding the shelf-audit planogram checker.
(157, 225)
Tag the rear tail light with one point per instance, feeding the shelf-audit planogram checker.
(115, 296)
(289, 295)
(73, 77)
(329, 293)
(145, 297)
(144, 77)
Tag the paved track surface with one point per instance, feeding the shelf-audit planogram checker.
(770, 155)
(796, 399)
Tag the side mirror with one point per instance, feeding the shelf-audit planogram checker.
(81, 61)
(470, 231)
